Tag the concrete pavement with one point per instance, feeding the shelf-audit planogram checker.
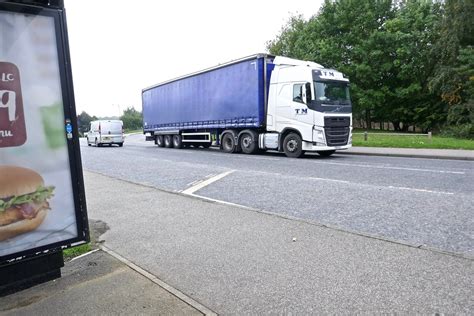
(96, 284)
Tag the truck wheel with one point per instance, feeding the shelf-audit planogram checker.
(326, 153)
(228, 143)
(249, 142)
(293, 146)
(177, 141)
(168, 141)
(160, 141)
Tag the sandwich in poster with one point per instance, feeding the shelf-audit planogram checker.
(24, 201)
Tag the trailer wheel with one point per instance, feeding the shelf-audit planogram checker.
(168, 141)
(160, 141)
(228, 143)
(293, 145)
(177, 141)
(326, 153)
(249, 142)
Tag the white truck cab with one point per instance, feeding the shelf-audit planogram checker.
(106, 132)
(312, 101)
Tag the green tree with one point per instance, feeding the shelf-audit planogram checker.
(84, 121)
(453, 80)
(385, 47)
(132, 119)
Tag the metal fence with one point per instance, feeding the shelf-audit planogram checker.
(366, 134)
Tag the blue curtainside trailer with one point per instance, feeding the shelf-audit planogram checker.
(255, 103)
(228, 96)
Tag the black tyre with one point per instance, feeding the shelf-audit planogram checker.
(97, 144)
(249, 142)
(293, 146)
(168, 141)
(120, 144)
(177, 141)
(326, 153)
(228, 143)
(159, 140)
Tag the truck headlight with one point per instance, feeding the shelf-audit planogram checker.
(318, 135)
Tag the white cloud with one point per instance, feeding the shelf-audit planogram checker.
(120, 47)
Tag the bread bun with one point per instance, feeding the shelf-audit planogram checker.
(15, 181)
(23, 226)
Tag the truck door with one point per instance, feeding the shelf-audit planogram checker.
(292, 110)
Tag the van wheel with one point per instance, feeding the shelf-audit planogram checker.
(120, 144)
(168, 141)
(228, 143)
(160, 141)
(97, 144)
(293, 145)
(177, 141)
(248, 142)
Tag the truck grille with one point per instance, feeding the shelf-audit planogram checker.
(337, 130)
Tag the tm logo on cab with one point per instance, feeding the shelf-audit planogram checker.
(301, 111)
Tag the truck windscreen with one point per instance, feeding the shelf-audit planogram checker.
(332, 92)
(331, 96)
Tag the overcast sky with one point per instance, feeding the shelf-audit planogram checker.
(120, 47)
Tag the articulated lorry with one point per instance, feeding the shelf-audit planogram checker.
(260, 102)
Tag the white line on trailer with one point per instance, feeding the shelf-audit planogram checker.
(205, 183)
(248, 157)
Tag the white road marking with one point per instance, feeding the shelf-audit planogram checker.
(378, 186)
(420, 190)
(331, 180)
(388, 167)
(205, 183)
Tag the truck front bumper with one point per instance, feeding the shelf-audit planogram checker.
(310, 146)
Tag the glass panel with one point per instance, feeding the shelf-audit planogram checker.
(332, 92)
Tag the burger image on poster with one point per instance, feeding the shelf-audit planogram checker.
(35, 209)
(24, 201)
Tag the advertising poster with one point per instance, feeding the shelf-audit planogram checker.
(38, 202)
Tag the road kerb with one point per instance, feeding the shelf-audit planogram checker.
(183, 297)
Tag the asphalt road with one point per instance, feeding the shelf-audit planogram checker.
(420, 202)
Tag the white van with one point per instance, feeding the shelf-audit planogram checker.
(105, 132)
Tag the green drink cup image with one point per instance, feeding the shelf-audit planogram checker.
(52, 118)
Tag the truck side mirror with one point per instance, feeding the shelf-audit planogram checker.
(308, 92)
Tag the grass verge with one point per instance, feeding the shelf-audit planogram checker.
(70, 253)
(393, 140)
(133, 131)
